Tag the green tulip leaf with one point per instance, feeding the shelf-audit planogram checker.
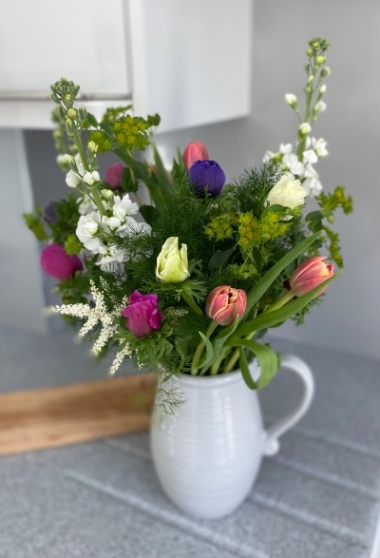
(209, 357)
(266, 281)
(267, 358)
(270, 319)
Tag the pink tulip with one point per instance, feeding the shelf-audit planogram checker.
(142, 314)
(56, 263)
(310, 274)
(114, 175)
(194, 151)
(224, 303)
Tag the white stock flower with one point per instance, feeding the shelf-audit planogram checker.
(304, 128)
(92, 146)
(287, 192)
(72, 179)
(79, 164)
(112, 222)
(292, 163)
(320, 106)
(268, 156)
(111, 259)
(312, 185)
(319, 147)
(309, 156)
(285, 148)
(86, 205)
(322, 89)
(291, 99)
(88, 227)
(133, 226)
(91, 178)
(124, 207)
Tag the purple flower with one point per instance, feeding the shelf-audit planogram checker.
(114, 175)
(142, 314)
(50, 216)
(207, 174)
(56, 263)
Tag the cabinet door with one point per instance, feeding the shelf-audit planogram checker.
(191, 60)
(82, 40)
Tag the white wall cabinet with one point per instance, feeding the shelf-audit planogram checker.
(189, 60)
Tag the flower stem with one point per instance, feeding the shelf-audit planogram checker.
(193, 305)
(235, 355)
(199, 350)
(98, 200)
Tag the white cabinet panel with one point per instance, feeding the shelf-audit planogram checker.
(191, 59)
(44, 40)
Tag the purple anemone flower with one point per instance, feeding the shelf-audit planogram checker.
(207, 174)
(50, 216)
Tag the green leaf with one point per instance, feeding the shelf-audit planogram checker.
(92, 120)
(270, 319)
(127, 182)
(257, 258)
(149, 213)
(219, 258)
(35, 225)
(209, 357)
(223, 336)
(163, 177)
(268, 361)
(244, 367)
(266, 281)
(125, 157)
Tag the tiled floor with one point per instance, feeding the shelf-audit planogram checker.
(318, 498)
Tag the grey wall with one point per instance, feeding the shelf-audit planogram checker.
(349, 318)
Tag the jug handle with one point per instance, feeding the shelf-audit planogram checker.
(287, 422)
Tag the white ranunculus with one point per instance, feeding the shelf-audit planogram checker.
(172, 266)
(291, 162)
(91, 178)
(309, 156)
(72, 179)
(79, 164)
(287, 192)
(124, 207)
(319, 147)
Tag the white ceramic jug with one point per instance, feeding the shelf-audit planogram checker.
(208, 452)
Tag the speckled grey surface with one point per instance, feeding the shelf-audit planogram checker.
(318, 498)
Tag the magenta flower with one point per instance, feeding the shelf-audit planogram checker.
(142, 314)
(56, 263)
(114, 175)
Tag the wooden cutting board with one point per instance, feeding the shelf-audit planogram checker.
(44, 418)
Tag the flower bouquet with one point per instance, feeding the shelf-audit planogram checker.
(182, 271)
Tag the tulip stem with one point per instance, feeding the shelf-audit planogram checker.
(193, 305)
(235, 355)
(283, 300)
(199, 350)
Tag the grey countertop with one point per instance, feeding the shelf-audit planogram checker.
(319, 497)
